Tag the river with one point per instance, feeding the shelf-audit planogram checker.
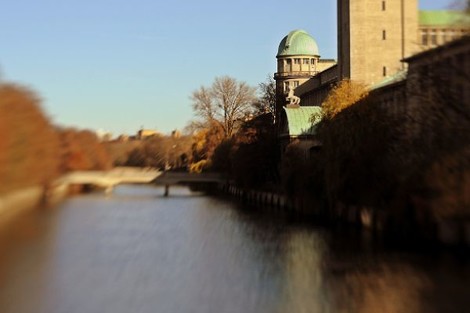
(136, 251)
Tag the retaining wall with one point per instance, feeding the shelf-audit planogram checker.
(447, 232)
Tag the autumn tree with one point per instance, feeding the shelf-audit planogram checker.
(251, 156)
(226, 103)
(81, 150)
(151, 153)
(345, 94)
(205, 141)
(255, 160)
(120, 150)
(161, 152)
(29, 152)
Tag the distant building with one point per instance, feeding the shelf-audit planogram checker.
(122, 137)
(146, 133)
(176, 133)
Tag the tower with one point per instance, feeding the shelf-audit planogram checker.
(374, 36)
(297, 61)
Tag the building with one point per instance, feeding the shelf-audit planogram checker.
(146, 133)
(439, 27)
(298, 60)
(298, 124)
(373, 36)
(445, 68)
(373, 39)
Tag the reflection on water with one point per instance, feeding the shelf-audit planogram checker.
(137, 251)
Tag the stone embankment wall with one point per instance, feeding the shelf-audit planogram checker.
(448, 232)
(274, 201)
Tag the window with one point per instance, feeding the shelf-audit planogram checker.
(296, 83)
(424, 38)
(306, 61)
(296, 61)
(444, 36)
(433, 37)
(384, 71)
(384, 35)
(289, 61)
(286, 86)
(383, 6)
(451, 34)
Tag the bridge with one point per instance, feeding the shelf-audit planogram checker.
(128, 175)
(182, 178)
(109, 179)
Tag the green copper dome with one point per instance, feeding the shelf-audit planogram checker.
(298, 42)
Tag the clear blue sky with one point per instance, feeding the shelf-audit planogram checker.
(120, 64)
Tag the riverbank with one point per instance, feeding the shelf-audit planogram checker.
(18, 202)
(445, 232)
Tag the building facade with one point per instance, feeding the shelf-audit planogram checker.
(374, 37)
(442, 77)
(440, 27)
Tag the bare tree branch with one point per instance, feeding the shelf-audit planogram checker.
(226, 103)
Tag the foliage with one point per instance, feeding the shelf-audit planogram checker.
(205, 141)
(267, 97)
(120, 151)
(224, 110)
(255, 163)
(293, 170)
(162, 152)
(251, 156)
(198, 167)
(434, 164)
(81, 150)
(29, 152)
(302, 174)
(448, 178)
(226, 104)
(419, 156)
(345, 94)
(358, 155)
(221, 158)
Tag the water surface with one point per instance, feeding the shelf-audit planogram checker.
(137, 251)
